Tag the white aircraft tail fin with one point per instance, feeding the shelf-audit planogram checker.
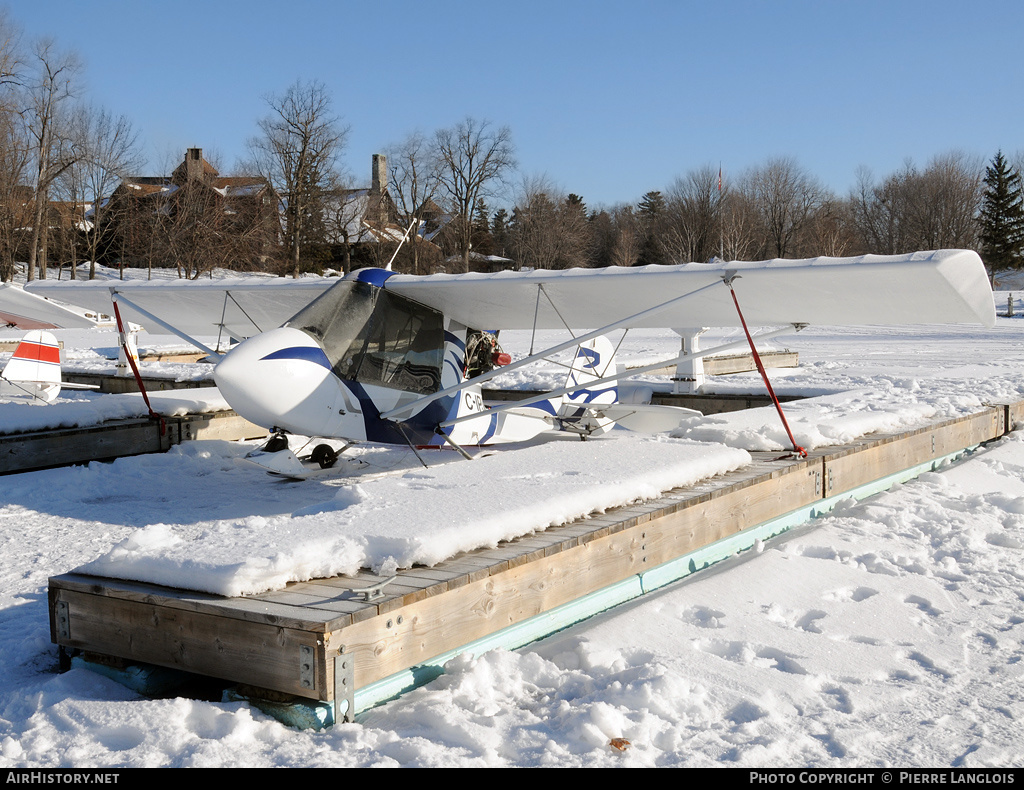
(34, 369)
(574, 411)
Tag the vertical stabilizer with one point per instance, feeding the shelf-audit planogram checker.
(594, 360)
(34, 369)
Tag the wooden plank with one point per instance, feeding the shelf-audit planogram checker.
(249, 609)
(1015, 415)
(875, 459)
(116, 439)
(258, 654)
(122, 384)
(42, 449)
(226, 426)
(727, 364)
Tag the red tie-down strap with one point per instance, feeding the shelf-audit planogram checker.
(764, 376)
(138, 378)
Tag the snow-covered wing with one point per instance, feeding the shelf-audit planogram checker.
(943, 287)
(241, 307)
(28, 311)
(948, 287)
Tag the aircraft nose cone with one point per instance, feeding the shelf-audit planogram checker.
(274, 378)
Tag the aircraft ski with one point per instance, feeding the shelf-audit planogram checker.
(384, 357)
(278, 459)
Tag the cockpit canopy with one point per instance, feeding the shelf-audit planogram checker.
(375, 337)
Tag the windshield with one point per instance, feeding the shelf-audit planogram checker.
(375, 337)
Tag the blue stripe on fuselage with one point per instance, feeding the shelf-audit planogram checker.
(307, 353)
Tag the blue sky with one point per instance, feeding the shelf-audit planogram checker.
(606, 99)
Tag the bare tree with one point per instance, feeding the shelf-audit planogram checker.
(785, 197)
(108, 154)
(628, 241)
(475, 155)
(342, 218)
(414, 175)
(14, 151)
(878, 213)
(52, 84)
(692, 229)
(830, 230)
(952, 198)
(912, 209)
(14, 202)
(548, 229)
(297, 153)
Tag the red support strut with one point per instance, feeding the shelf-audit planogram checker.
(764, 376)
(138, 377)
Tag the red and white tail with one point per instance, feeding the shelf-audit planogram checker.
(34, 369)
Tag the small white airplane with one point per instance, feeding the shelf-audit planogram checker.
(382, 357)
(33, 371)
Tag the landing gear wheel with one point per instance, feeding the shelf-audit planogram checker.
(324, 455)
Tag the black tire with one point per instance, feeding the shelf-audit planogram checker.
(324, 455)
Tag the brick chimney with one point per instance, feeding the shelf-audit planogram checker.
(194, 164)
(380, 174)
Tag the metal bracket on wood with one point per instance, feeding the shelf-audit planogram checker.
(63, 621)
(373, 591)
(307, 667)
(817, 482)
(344, 688)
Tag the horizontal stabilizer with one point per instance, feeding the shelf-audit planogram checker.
(647, 418)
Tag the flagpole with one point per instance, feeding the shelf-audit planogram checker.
(721, 228)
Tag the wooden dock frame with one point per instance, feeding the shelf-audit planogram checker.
(23, 452)
(352, 642)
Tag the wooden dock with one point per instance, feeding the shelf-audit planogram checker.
(23, 452)
(727, 364)
(349, 644)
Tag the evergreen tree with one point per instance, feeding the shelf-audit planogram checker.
(651, 216)
(499, 232)
(483, 243)
(1002, 217)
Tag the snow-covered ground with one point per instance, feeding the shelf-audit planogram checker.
(889, 633)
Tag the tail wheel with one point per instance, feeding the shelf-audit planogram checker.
(324, 455)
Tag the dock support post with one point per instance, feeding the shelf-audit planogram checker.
(129, 344)
(689, 376)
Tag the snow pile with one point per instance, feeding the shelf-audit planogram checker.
(815, 422)
(422, 517)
